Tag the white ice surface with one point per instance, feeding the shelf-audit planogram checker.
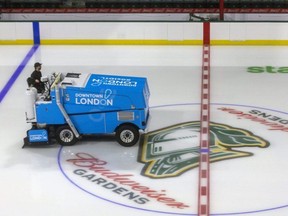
(10, 58)
(231, 83)
(32, 184)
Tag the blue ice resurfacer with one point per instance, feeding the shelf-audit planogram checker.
(79, 104)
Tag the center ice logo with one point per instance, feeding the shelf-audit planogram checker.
(171, 151)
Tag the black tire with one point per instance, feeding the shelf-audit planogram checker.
(65, 136)
(127, 135)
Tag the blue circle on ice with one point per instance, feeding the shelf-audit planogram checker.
(175, 213)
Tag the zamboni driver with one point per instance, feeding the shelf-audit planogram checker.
(35, 79)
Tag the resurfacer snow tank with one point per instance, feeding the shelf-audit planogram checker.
(79, 104)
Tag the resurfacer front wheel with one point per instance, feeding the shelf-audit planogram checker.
(65, 136)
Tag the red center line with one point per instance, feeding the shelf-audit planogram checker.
(204, 166)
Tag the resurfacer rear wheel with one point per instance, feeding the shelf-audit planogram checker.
(127, 135)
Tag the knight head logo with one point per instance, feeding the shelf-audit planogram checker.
(171, 151)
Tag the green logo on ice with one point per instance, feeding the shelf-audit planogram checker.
(170, 151)
(267, 69)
